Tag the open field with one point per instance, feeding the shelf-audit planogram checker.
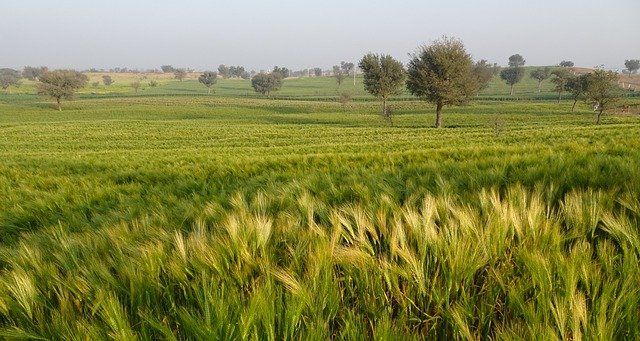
(175, 215)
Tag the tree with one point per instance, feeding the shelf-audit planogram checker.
(153, 83)
(442, 73)
(208, 79)
(602, 90)
(560, 79)
(180, 74)
(135, 86)
(338, 74)
(383, 77)
(577, 86)
(266, 83)
(516, 60)
(347, 68)
(484, 73)
(61, 84)
(345, 98)
(106, 79)
(566, 63)
(512, 75)
(540, 74)
(317, 72)
(32, 73)
(223, 70)
(282, 71)
(167, 69)
(632, 65)
(9, 77)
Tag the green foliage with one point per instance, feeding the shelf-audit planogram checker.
(32, 73)
(317, 72)
(9, 77)
(540, 74)
(632, 65)
(512, 76)
(566, 63)
(560, 79)
(442, 73)
(516, 60)
(107, 80)
(282, 71)
(208, 79)
(264, 83)
(484, 73)
(383, 77)
(167, 69)
(61, 85)
(577, 86)
(602, 90)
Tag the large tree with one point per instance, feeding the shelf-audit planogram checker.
(347, 68)
(512, 75)
(632, 65)
(442, 73)
(577, 87)
(61, 84)
(516, 60)
(9, 77)
(208, 79)
(540, 74)
(383, 77)
(602, 90)
(32, 73)
(265, 83)
(560, 78)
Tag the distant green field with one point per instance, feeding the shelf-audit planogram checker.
(229, 216)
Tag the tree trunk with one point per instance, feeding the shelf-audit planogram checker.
(438, 115)
(59, 104)
(575, 100)
(209, 90)
(601, 109)
(539, 82)
(385, 111)
(511, 89)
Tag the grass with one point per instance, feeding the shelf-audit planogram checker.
(188, 216)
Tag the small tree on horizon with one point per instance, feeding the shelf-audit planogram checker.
(167, 68)
(180, 74)
(61, 84)
(107, 80)
(442, 73)
(540, 75)
(566, 63)
(516, 60)
(283, 71)
(338, 74)
(208, 79)
(602, 89)
(317, 72)
(632, 65)
(266, 83)
(383, 77)
(32, 73)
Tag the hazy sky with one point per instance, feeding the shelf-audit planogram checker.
(298, 34)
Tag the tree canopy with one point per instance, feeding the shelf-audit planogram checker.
(566, 63)
(512, 76)
(208, 79)
(383, 77)
(265, 83)
(180, 74)
(283, 71)
(61, 84)
(32, 73)
(338, 74)
(516, 60)
(632, 65)
(540, 74)
(9, 77)
(560, 79)
(602, 90)
(442, 73)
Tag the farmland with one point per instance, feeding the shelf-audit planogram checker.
(171, 214)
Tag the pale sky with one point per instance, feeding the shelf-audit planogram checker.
(202, 34)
